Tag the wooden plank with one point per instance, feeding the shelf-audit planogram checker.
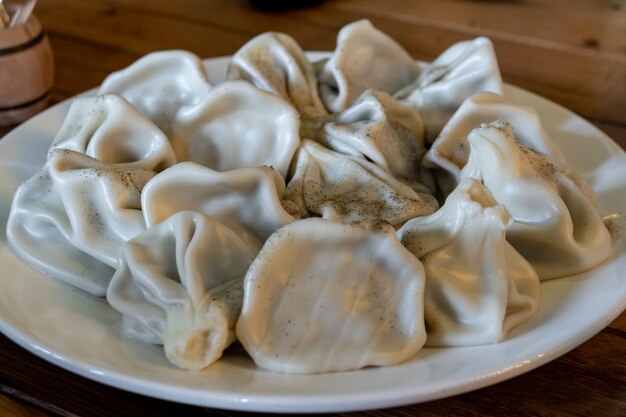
(619, 323)
(15, 408)
(82, 65)
(593, 25)
(228, 15)
(133, 31)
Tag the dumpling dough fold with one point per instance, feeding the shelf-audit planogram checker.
(274, 62)
(365, 58)
(110, 129)
(179, 284)
(464, 69)
(556, 226)
(324, 296)
(236, 125)
(69, 219)
(160, 83)
(346, 188)
(382, 130)
(248, 201)
(478, 286)
(450, 151)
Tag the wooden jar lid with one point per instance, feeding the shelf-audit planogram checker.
(26, 71)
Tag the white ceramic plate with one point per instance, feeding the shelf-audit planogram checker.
(82, 334)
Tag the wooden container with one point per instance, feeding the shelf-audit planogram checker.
(26, 71)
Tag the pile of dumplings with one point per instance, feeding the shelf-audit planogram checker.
(326, 215)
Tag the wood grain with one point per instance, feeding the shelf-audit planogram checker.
(571, 52)
(589, 24)
(10, 406)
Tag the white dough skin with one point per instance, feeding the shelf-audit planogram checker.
(556, 225)
(324, 296)
(179, 284)
(477, 286)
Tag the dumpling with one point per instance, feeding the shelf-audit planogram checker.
(478, 286)
(346, 189)
(274, 62)
(556, 226)
(69, 219)
(103, 202)
(379, 129)
(160, 83)
(464, 69)
(39, 232)
(450, 151)
(111, 130)
(324, 296)
(248, 201)
(365, 58)
(236, 125)
(179, 284)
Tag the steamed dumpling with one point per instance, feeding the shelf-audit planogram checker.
(380, 129)
(464, 69)
(556, 226)
(69, 219)
(103, 202)
(478, 286)
(160, 83)
(248, 201)
(365, 58)
(450, 151)
(324, 296)
(346, 188)
(179, 284)
(113, 131)
(236, 125)
(275, 63)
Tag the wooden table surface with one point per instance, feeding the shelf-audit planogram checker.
(572, 52)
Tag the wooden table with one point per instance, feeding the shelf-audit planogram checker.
(571, 52)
